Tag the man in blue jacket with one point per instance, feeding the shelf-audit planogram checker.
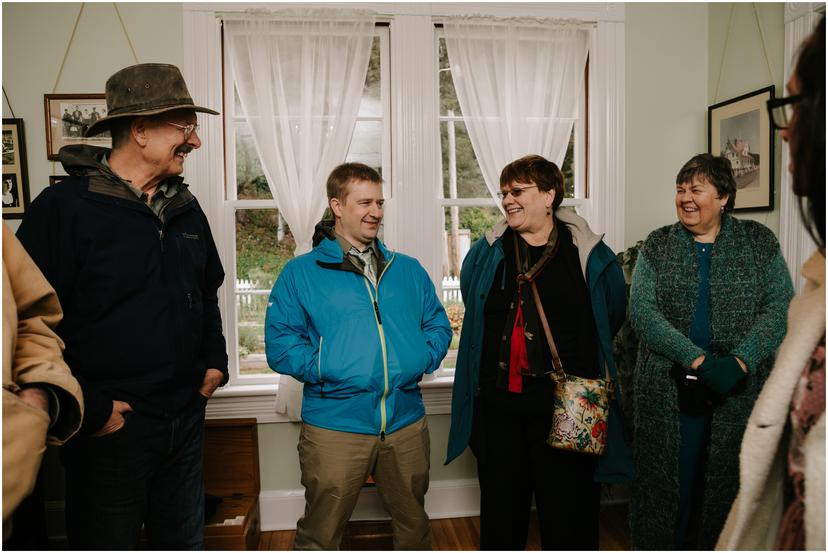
(359, 325)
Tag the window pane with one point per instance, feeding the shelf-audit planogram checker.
(264, 244)
(366, 144)
(237, 107)
(371, 104)
(470, 223)
(568, 168)
(251, 313)
(250, 180)
(470, 183)
(448, 96)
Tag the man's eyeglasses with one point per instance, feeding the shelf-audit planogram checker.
(515, 192)
(188, 129)
(781, 111)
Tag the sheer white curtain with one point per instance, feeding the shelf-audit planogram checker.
(518, 83)
(299, 75)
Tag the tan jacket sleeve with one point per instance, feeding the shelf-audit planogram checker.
(32, 354)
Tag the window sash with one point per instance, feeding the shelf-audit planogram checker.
(232, 204)
(579, 128)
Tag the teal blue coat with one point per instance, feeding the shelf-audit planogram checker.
(361, 351)
(608, 295)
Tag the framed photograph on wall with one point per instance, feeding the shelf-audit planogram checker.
(67, 118)
(15, 175)
(740, 130)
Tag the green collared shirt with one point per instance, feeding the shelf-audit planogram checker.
(358, 258)
(163, 196)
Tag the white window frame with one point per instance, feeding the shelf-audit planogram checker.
(580, 201)
(232, 205)
(579, 152)
(414, 152)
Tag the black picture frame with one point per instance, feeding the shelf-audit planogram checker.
(741, 130)
(15, 177)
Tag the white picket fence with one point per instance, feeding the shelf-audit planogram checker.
(451, 289)
(248, 289)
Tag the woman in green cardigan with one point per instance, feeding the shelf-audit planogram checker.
(708, 301)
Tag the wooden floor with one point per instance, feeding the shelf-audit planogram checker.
(462, 534)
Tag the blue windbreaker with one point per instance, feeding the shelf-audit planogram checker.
(361, 351)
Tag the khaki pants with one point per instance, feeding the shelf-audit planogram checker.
(334, 468)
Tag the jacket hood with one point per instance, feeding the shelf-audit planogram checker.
(84, 160)
(814, 270)
(582, 236)
(323, 229)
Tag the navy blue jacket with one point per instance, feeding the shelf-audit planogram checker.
(140, 295)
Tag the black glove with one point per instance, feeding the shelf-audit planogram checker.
(721, 374)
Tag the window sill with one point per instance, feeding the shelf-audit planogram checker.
(259, 401)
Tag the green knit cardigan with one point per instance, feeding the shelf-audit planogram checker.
(750, 289)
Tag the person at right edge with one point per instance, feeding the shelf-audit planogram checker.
(781, 501)
(708, 301)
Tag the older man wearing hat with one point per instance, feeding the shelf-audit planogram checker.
(130, 253)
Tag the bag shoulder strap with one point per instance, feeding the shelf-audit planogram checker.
(553, 349)
(556, 359)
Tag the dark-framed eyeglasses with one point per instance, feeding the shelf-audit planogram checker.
(781, 111)
(515, 192)
(188, 129)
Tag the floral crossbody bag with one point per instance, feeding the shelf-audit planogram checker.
(581, 407)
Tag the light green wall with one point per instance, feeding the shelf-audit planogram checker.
(745, 68)
(673, 56)
(666, 97)
(35, 37)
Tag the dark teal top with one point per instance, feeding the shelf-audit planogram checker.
(700, 329)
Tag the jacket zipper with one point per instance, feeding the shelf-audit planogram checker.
(383, 414)
(319, 368)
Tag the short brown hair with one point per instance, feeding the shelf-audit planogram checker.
(714, 169)
(536, 170)
(343, 174)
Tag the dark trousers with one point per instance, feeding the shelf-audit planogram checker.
(695, 434)
(515, 463)
(148, 473)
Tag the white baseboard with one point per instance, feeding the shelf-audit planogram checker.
(280, 509)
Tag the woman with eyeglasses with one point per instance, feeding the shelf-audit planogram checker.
(781, 501)
(503, 394)
(708, 300)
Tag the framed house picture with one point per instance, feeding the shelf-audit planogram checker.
(15, 175)
(67, 118)
(740, 130)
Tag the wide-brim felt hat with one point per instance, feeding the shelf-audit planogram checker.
(144, 89)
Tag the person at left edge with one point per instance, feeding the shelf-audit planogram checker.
(42, 402)
(359, 324)
(129, 252)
